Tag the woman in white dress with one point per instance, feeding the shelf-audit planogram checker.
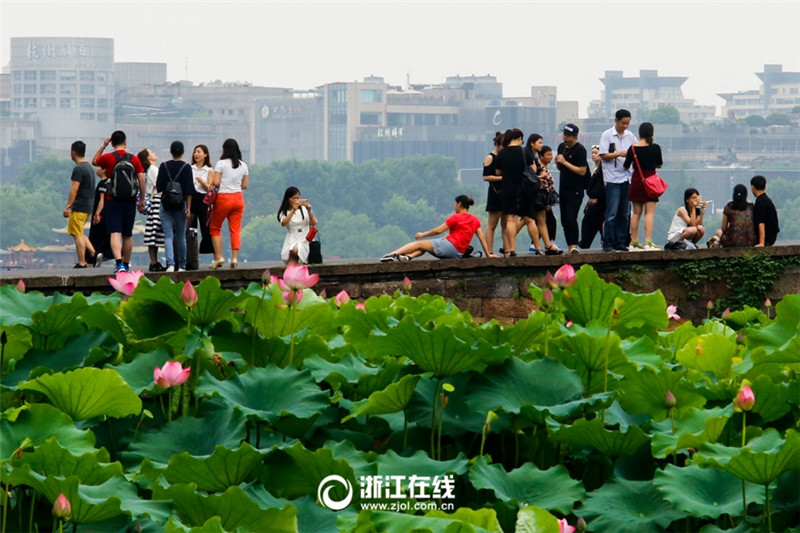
(295, 215)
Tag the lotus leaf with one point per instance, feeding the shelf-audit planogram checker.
(525, 333)
(694, 428)
(216, 472)
(788, 354)
(311, 518)
(88, 392)
(623, 506)
(51, 328)
(393, 399)
(645, 392)
(103, 316)
(233, 507)
(296, 471)
(643, 353)
(641, 314)
(290, 392)
(391, 522)
(783, 329)
(584, 350)
(347, 369)
(52, 459)
(772, 399)
(457, 417)
(592, 434)
(704, 493)
(363, 464)
(420, 464)
(39, 422)
(761, 461)
(19, 341)
(273, 320)
(138, 374)
(550, 489)
(709, 353)
(18, 307)
(591, 298)
(483, 518)
(536, 520)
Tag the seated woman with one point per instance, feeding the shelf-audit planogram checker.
(687, 222)
(737, 221)
(462, 225)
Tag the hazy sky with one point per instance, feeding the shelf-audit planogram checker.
(718, 45)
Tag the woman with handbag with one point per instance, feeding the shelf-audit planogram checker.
(201, 209)
(295, 215)
(645, 155)
(231, 177)
(546, 197)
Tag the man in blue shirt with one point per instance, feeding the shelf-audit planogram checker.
(614, 144)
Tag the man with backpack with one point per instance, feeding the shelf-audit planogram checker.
(125, 182)
(175, 182)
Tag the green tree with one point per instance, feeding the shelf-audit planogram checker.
(31, 215)
(47, 172)
(789, 219)
(410, 217)
(665, 114)
(262, 239)
(355, 236)
(778, 119)
(756, 121)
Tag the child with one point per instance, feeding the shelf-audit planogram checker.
(765, 216)
(98, 234)
(686, 227)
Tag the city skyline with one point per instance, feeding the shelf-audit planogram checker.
(321, 42)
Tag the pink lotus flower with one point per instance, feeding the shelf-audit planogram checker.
(565, 277)
(672, 312)
(188, 295)
(21, 286)
(767, 303)
(361, 306)
(126, 282)
(292, 298)
(407, 284)
(745, 399)
(564, 527)
(296, 278)
(547, 297)
(569, 324)
(551, 281)
(670, 400)
(171, 374)
(62, 508)
(341, 298)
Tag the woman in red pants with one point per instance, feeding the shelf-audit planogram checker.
(231, 177)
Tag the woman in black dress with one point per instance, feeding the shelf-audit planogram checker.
(493, 201)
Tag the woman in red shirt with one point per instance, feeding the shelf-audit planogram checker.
(462, 225)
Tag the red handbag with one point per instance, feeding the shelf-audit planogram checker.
(312, 232)
(654, 185)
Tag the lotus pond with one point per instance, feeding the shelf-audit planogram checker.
(179, 408)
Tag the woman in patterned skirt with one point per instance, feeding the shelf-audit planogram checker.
(153, 233)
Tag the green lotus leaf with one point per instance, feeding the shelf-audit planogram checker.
(39, 422)
(90, 504)
(52, 459)
(150, 318)
(623, 506)
(584, 350)
(786, 496)
(103, 316)
(216, 472)
(218, 425)
(311, 518)
(704, 493)
(138, 374)
(763, 459)
(277, 351)
(645, 392)
(641, 314)
(273, 319)
(782, 329)
(419, 464)
(643, 353)
(296, 471)
(72, 354)
(213, 303)
(233, 508)
(692, 429)
(743, 527)
(88, 392)
(536, 520)
(335, 372)
(429, 308)
(788, 354)
(361, 463)
(458, 418)
(438, 350)
(482, 518)
(391, 522)
(369, 383)
(51, 328)
(289, 392)
(592, 434)
(358, 325)
(709, 353)
(19, 342)
(18, 307)
(393, 399)
(551, 489)
(772, 399)
(591, 298)
(747, 316)
(524, 334)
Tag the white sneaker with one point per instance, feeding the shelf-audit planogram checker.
(170, 268)
(181, 270)
(388, 258)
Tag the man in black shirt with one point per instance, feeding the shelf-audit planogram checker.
(765, 216)
(571, 161)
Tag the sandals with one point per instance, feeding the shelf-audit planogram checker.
(217, 264)
(553, 250)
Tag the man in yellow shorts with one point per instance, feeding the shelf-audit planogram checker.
(79, 204)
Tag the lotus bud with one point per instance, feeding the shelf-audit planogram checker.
(581, 524)
(569, 324)
(491, 416)
(726, 314)
(551, 281)
(767, 303)
(361, 306)
(407, 284)
(745, 399)
(21, 286)
(740, 337)
(565, 276)
(62, 509)
(266, 277)
(341, 298)
(323, 294)
(189, 295)
(547, 297)
(710, 305)
(564, 527)
(670, 400)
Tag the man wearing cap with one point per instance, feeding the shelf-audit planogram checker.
(571, 161)
(614, 144)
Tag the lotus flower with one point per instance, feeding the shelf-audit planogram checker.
(407, 284)
(21, 286)
(188, 295)
(670, 400)
(292, 298)
(296, 278)
(126, 282)
(564, 527)
(565, 277)
(341, 298)
(745, 399)
(61, 508)
(672, 312)
(171, 374)
(361, 306)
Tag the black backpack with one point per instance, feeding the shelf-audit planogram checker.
(124, 180)
(172, 197)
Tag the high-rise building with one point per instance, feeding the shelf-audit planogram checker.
(779, 93)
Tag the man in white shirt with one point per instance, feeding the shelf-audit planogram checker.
(614, 144)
